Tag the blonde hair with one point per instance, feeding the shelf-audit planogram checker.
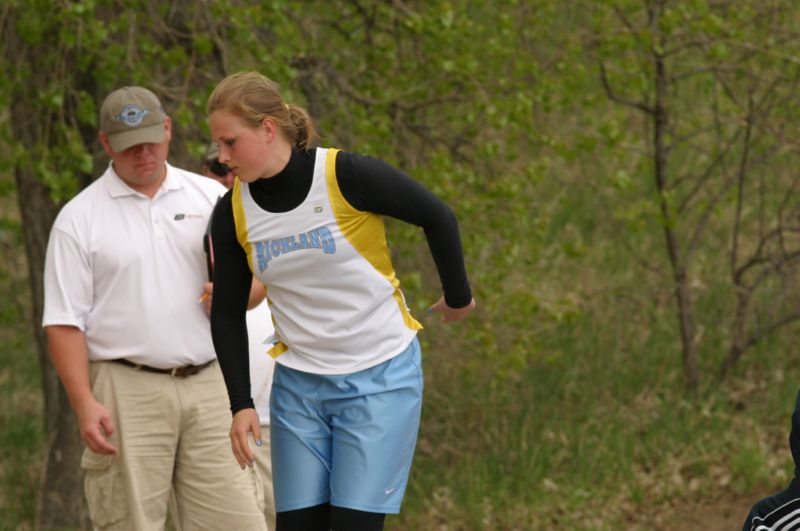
(252, 97)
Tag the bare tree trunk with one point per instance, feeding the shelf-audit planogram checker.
(739, 341)
(61, 502)
(738, 328)
(682, 288)
(683, 298)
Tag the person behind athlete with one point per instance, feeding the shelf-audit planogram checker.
(212, 167)
(259, 328)
(782, 509)
(129, 341)
(347, 388)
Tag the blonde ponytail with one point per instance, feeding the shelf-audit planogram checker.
(252, 97)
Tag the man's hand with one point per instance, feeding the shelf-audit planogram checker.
(67, 345)
(96, 427)
(205, 297)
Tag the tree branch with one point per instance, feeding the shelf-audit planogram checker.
(613, 96)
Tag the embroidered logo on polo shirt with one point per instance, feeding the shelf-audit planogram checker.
(189, 217)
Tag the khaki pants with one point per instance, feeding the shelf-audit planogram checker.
(263, 455)
(171, 436)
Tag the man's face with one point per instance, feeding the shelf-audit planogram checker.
(143, 166)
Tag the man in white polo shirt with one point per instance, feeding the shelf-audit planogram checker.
(132, 346)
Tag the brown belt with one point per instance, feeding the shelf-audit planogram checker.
(176, 372)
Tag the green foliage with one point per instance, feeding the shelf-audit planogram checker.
(559, 402)
(21, 427)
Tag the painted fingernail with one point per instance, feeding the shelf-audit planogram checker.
(259, 442)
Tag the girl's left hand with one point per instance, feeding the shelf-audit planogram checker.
(452, 314)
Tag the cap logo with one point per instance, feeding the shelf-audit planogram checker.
(131, 115)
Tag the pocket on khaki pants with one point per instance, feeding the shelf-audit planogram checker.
(258, 486)
(105, 489)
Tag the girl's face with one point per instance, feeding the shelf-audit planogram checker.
(250, 153)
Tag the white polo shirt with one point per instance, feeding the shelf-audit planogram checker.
(128, 270)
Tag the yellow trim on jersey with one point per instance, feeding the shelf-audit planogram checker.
(363, 230)
(277, 349)
(240, 221)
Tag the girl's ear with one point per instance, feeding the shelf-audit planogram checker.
(269, 127)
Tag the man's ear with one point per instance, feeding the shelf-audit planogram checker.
(103, 138)
(167, 129)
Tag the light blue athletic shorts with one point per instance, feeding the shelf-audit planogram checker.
(347, 439)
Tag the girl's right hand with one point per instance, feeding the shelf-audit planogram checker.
(244, 421)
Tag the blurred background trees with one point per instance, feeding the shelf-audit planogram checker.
(624, 176)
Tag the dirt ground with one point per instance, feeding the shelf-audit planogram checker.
(724, 514)
(721, 515)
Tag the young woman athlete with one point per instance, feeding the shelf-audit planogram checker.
(347, 388)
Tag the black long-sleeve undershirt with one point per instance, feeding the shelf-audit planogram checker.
(369, 185)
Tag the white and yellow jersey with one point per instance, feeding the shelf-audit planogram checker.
(335, 299)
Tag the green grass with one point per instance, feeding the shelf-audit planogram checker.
(21, 432)
(21, 405)
(591, 427)
(585, 428)
(582, 442)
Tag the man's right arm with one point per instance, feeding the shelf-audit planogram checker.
(67, 345)
(68, 296)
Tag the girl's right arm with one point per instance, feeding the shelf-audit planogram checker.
(232, 283)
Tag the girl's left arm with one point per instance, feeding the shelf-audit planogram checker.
(372, 185)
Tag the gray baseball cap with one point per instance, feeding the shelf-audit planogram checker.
(131, 116)
(212, 152)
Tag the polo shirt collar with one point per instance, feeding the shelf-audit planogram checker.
(118, 188)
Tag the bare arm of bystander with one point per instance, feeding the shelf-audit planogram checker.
(71, 360)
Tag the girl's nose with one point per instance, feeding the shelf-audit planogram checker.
(223, 156)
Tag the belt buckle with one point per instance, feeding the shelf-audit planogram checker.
(184, 372)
